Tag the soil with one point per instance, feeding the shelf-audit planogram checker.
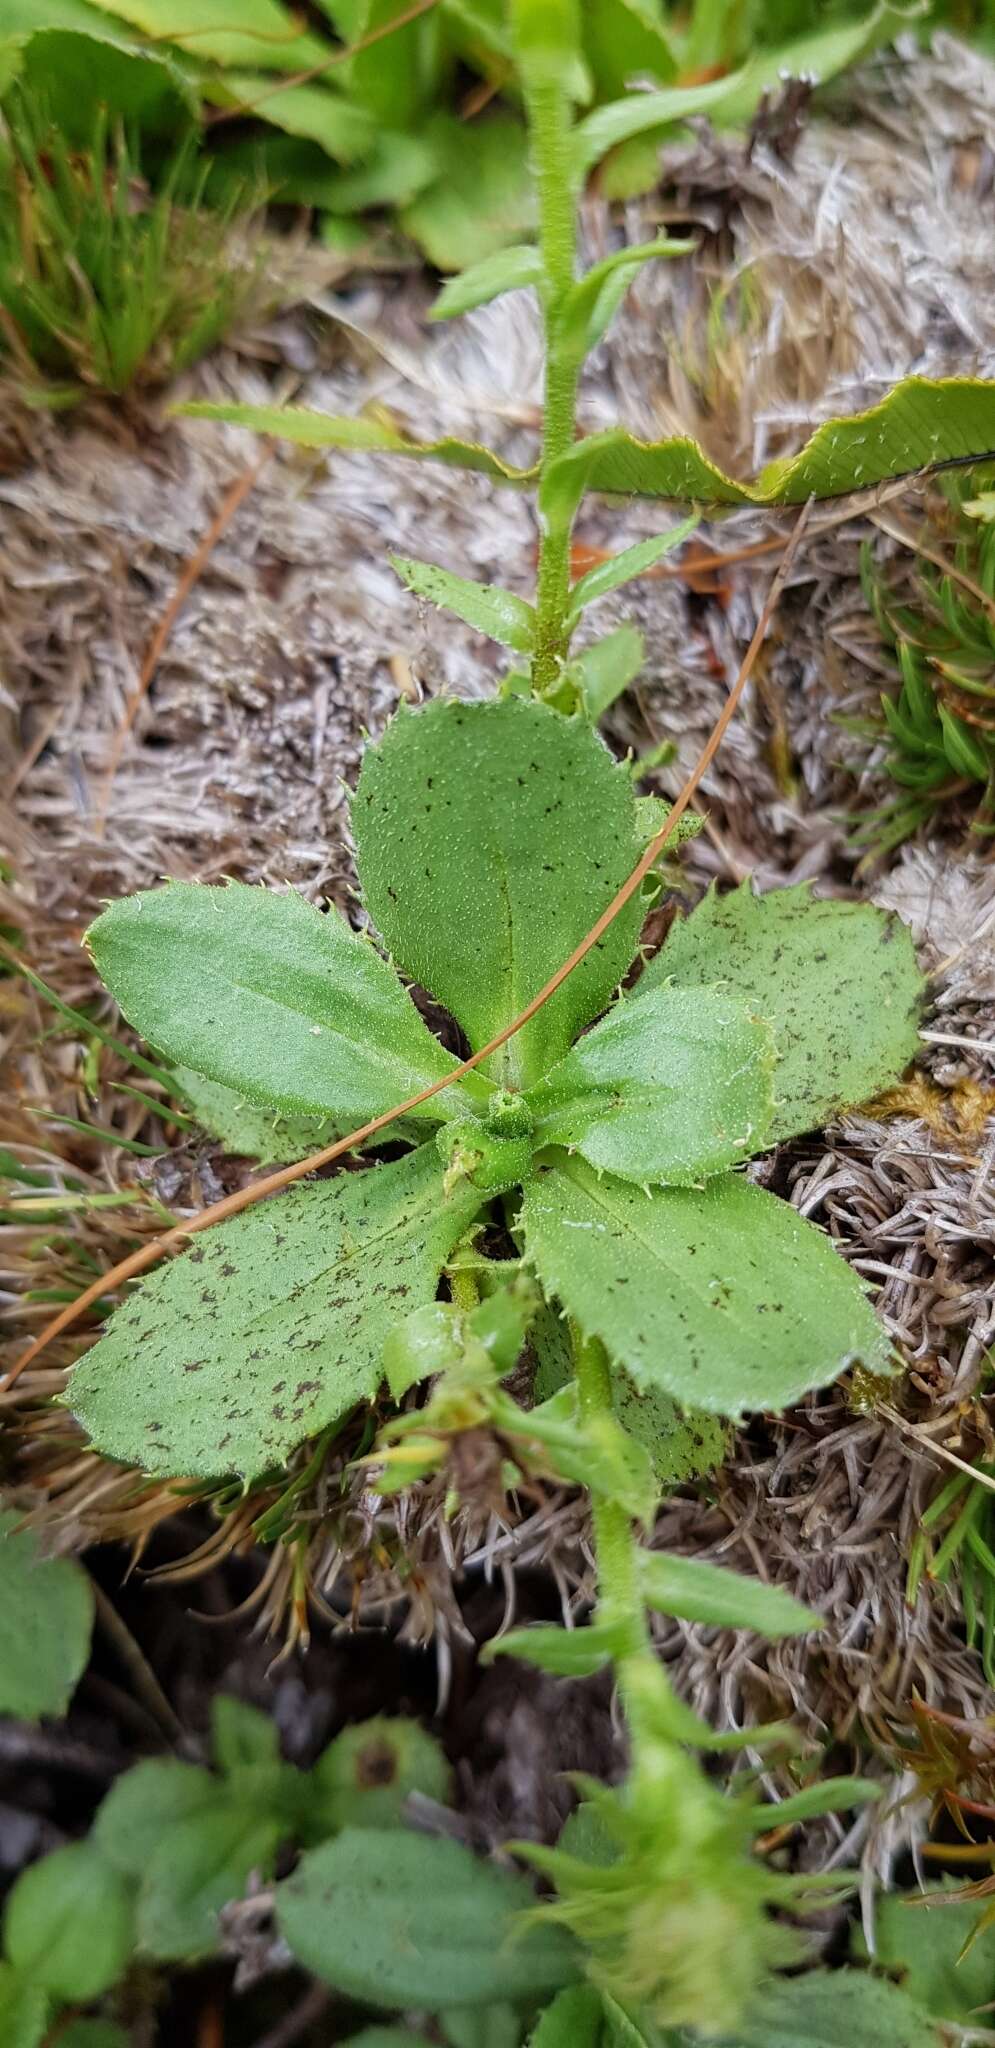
(867, 242)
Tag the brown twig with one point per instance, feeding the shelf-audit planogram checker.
(243, 1198)
(192, 571)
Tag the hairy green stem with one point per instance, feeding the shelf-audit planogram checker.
(550, 129)
(619, 1598)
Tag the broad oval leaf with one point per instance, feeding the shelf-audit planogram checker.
(507, 270)
(271, 997)
(69, 1923)
(154, 1795)
(248, 1130)
(489, 837)
(271, 1327)
(398, 1919)
(46, 1617)
(920, 424)
(362, 435)
(723, 1295)
(933, 1948)
(484, 606)
(836, 2009)
(838, 983)
(365, 1776)
(670, 1088)
(483, 196)
(623, 567)
(199, 1865)
(693, 1590)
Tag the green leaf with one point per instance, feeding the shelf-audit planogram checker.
(594, 1450)
(23, 2009)
(200, 1865)
(818, 56)
(70, 74)
(388, 2037)
(483, 2026)
(546, 40)
(399, 1919)
(827, 1795)
(931, 1949)
(241, 1736)
(723, 1296)
(606, 668)
(789, 955)
(364, 436)
(93, 2034)
(622, 568)
(268, 996)
(921, 423)
(589, 307)
(566, 1652)
(69, 1923)
(836, 2009)
(695, 1591)
(271, 1327)
(508, 270)
(482, 198)
(393, 172)
(365, 1776)
(143, 1804)
(487, 609)
(341, 128)
(621, 119)
(46, 1618)
(245, 1129)
(626, 39)
(682, 1444)
(574, 2020)
(256, 32)
(668, 1088)
(397, 75)
(509, 828)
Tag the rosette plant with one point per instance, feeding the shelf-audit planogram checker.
(489, 836)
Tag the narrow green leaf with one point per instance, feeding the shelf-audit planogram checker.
(199, 1865)
(827, 1795)
(820, 55)
(623, 40)
(489, 837)
(921, 423)
(565, 1652)
(670, 1088)
(588, 309)
(272, 1326)
(69, 1923)
(723, 1296)
(621, 119)
(622, 568)
(695, 1591)
(499, 613)
(154, 1795)
(508, 270)
(397, 1919)
(837, 982)
(365, 1776)
(596, 1451)
(270, 997)
(606, 668)
(46, 1617)
(364, 436)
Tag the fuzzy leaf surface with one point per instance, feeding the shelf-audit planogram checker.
(200, 1865)
(508, 270)
(46, 1617)
(268, 995)
(363, 436)
(398, 1919)
(836, 2009)
(590, 306)
(838, 983)
(607, 667)
(721, 1295)
(489, 837)
(499, 613)
(249, 1130)
(670, 1089)
(921, 422)
(623, 567)
(272, 1326)
(696, 1591)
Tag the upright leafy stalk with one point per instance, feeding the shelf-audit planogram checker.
(550, 128)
